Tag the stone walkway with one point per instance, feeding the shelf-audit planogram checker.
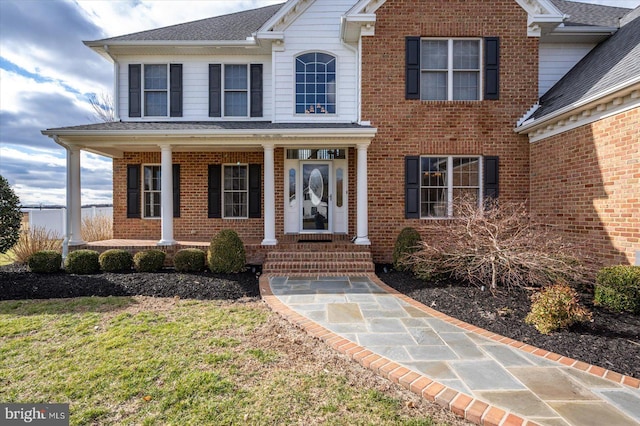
(487, 378)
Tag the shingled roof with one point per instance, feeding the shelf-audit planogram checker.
(590, 14)
(180, 126)
(235, 26)
(612, 63)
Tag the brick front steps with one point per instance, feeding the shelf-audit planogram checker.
(318, 258)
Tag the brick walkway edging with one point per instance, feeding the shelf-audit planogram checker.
(461, 404)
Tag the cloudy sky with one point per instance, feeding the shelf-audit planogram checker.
(47, 75)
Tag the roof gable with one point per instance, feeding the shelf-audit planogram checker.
(614, 62)
(590, 14)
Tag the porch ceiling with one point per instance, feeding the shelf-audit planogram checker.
(114, 139)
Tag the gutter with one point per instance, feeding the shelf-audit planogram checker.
(367, 131)
(612, 92)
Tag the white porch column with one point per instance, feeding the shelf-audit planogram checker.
(269, 198)
(362, 220)
(166, 197)
(74, 194)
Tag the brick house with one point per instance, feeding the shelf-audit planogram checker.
(379, 120)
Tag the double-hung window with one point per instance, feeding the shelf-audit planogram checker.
(236, 98)
(236, 191)
(315, 83)
(450, 69)
(446, 180)
(235, 90)
(151, 185)
(155, 90)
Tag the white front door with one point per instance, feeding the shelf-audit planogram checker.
(315, 196)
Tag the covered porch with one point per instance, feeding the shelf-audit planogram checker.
(179, 140)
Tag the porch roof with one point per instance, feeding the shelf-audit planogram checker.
(113, 139)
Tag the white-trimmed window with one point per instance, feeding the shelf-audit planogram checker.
(151, 197)
(236, 191)
(155, 90)
(315, 83)
(450, 69)
(236, 90)
(445, 179)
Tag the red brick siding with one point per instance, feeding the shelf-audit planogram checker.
(411, 127)
(587, 183)
(193, 223)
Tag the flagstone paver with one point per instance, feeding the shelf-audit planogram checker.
(487, 378)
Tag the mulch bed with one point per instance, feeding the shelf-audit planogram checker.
(17, 283)
(611, 340)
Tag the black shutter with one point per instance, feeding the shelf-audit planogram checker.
(175, 90)
(256, 90)
(176, 190)
(491, 177)
(255, 189)
(215, 190)
(215, 90)
(133, 190)
(412, 187)
(135, 90)
(412, 61)
(492, 68)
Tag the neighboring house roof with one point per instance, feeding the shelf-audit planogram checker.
(590, 14)
(235, 26)
(611, 64)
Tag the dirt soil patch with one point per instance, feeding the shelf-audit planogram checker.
(611, 340)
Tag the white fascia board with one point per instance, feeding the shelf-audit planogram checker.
(578, 34)
(354, 26)
(249, 42)
(575, 107)
(220, 133)
(269, 35)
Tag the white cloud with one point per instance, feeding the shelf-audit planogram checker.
(38, 159)
(17, 91)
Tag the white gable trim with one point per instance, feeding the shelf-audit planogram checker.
(283, 18)
(615, 101)
(543, 16)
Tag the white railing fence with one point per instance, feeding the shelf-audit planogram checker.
(53, 220)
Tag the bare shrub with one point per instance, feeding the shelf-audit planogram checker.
(497, 245)
(97, 228)
(34, 240)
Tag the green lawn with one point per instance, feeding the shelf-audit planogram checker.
(155, 361)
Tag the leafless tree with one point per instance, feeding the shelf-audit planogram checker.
(103, 107)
